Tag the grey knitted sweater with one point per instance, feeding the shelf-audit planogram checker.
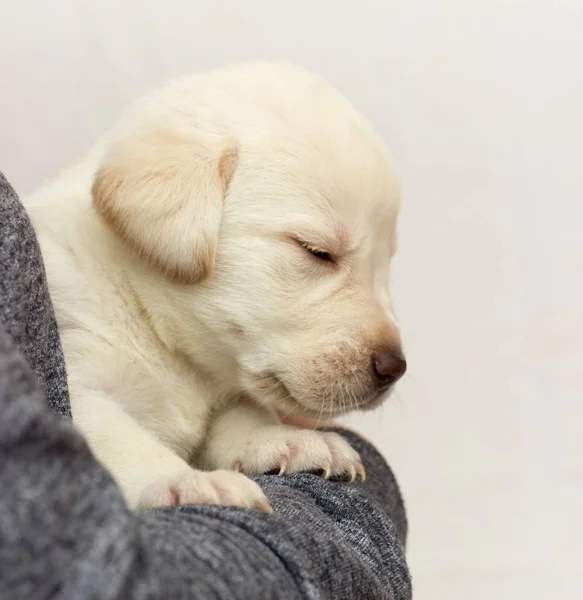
(66, 533)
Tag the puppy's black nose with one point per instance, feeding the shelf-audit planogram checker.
(389, 366)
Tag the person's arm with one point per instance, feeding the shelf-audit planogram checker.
(380, 484)
(66, 533)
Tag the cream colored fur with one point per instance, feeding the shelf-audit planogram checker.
(189, 306)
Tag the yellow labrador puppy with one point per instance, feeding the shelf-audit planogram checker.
(220, 257)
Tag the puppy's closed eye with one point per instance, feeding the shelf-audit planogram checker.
(318, 253)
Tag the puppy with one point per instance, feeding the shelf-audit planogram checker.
(219, 258)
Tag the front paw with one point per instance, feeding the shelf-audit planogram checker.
(287, 449)
(205, 487)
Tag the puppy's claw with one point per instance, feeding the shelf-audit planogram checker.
(283, 467)
(327, 472)
(264, 506)
(352, 474)
(361, 471)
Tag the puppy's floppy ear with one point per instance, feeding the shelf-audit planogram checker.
(162, 192)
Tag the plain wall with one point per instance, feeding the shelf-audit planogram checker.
(481, 102)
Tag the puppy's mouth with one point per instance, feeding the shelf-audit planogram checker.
(270, 387)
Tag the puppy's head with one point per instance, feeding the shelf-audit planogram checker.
(266, 206)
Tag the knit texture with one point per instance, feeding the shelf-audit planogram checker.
(65, 531)
(25, 307)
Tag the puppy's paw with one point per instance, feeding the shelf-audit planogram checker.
(286, 449)
(205, 487)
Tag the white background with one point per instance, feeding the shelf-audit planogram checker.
(481, 101)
